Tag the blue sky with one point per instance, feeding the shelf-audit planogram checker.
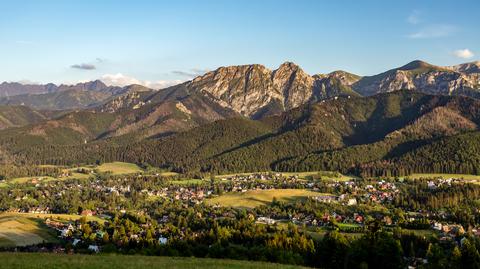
(162, 42)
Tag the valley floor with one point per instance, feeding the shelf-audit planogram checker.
(62, 261)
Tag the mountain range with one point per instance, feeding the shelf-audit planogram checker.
(247, 118)
(53, 97)
(254, 90)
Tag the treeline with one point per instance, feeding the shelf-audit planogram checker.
(13, 171)
(241, 145)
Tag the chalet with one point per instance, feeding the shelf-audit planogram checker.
(162, 240)
(87, 212)
(387, 220)
(352, 201)
(265, 220)
(437, 226)
(54, 224)
(358, 218)
(66, 233)
(94, 248)
(325, 198)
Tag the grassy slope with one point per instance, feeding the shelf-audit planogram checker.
(59, 261)
(120, 168)
(21, 230)
(116, 168)
(302, 175)
(255, 198)
(444, 176)
(12, 116)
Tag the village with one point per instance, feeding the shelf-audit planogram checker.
(342, 205)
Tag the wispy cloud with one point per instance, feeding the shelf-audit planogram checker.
(191, 73)
(463, 53)
(83, 66)
(120, 79)
(414, 17)
(433, 31)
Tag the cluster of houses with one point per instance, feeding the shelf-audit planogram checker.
(440, 182)
(71, 231)
(380, 192)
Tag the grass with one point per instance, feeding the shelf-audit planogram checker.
(61, 217)
(22, 230)
(120, 168)
(168, 174)
(318, 233)
(188, 182)
(62, 261)
(22, 180)
(301, 175)
(254, 198)
(464, 176)
(348, 225)
(324, 174)
(425, 233)
(76, 175)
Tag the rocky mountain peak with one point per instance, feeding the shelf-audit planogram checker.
(417, 64)
(344, 77)
(94, 85)
(295, 85)
(288, 66)
(468, 68)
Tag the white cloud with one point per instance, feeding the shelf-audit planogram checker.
(123, 80)
(463, 53)
(414, 17)
(433, 31)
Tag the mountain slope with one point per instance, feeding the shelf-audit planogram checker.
(344, 134)
(454, 80)
(15, 116)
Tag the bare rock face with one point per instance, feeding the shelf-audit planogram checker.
(131, 100)
(461, 79)
(252, 89)
(242, 88)
(293, 83)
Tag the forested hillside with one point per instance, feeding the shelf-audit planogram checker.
(365, 136)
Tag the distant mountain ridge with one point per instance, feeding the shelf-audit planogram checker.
(62, 97)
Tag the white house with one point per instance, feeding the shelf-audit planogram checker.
(162, 240)
(94, 248)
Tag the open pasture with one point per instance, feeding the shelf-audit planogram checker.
(254, 198)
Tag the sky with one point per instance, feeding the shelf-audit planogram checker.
(160, 43)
